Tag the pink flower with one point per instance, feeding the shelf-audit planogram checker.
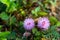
(43, 23)
(29, 23)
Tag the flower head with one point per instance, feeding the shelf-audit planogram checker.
(29, 23)
(26, 34)
(43, 23)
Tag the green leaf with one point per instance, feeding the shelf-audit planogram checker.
(12, 7)
(58, 23)
(4, 16)
(20, 2)
(53, 20)
(53, 2)
(37, 33)
(56, 34)
(12, 20)
(12, 35)
(24, 38)
(25, 2)
(20, 23)
(2, 7)
(37, 9)
(3, 38)
(7, 2)
(21, 27)
(0, 27)
(33, 12)
(42, 13)
(4, 34)
(53, 39)
(34, 30)
(34, 1)
(52, 28)
(18, 38)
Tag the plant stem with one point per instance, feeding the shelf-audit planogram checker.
(10, 23)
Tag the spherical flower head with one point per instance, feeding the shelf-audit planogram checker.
(26, 34)
(43, 23)
(29, 23)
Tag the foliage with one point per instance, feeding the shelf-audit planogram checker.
(58, 23)
(13, 13)
(4, 34)
(42, 14)
(4, 16)
(53, 20)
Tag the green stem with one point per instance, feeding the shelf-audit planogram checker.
(10, 23)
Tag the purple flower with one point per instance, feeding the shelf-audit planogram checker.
(43, 23)
(29, 23)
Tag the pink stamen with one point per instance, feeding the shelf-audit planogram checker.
(43, 23)
(28, 23)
